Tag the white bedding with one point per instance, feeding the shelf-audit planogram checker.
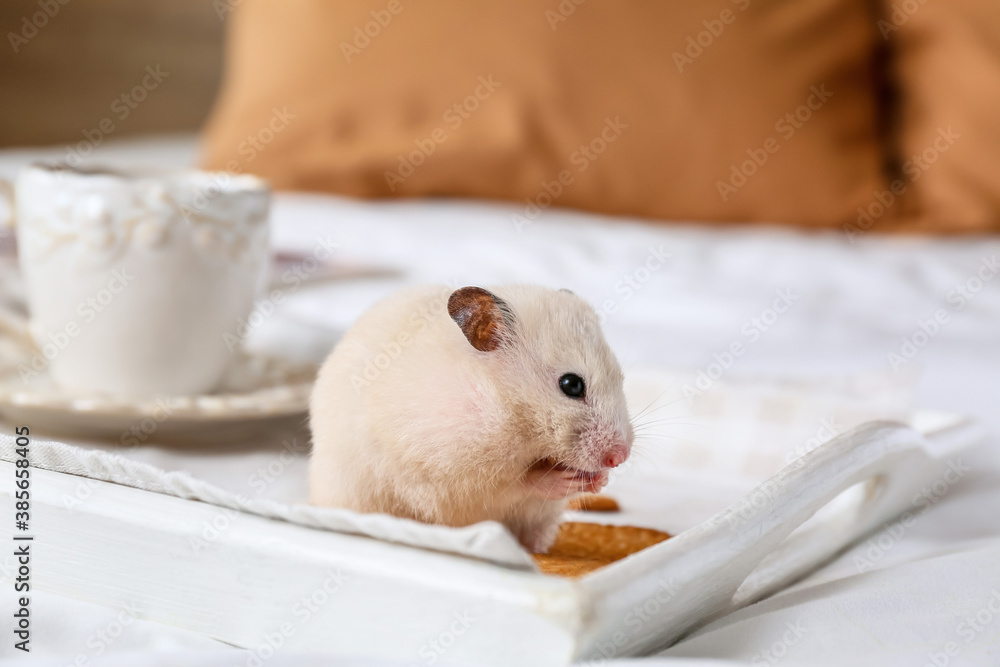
(909, 596)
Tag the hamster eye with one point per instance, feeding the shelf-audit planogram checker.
(572, 385)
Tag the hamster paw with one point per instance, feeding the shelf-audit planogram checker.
(539, 541)
(537, 536)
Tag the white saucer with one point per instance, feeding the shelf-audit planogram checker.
(260, 393)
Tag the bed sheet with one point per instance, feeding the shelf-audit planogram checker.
(673, 296)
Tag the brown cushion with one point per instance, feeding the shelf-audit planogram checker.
(947, 60)
(641, 108)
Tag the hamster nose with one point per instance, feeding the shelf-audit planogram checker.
(615, 456)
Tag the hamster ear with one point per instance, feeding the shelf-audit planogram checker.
(483, 317)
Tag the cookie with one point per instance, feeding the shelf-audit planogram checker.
(584, 547)
(592, 502)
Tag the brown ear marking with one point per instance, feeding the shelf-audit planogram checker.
(482, 316)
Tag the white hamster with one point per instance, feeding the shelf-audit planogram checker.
(454, 407)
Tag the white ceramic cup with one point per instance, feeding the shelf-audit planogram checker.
(133, 280)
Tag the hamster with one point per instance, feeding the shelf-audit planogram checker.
(453, 407)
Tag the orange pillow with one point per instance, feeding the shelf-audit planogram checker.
(947, 60)
(718, 110)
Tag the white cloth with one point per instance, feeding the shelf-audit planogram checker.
(901, 598)
(487, 540)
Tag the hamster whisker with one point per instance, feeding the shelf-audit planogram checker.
(492, 479)
(664, 439)
(693, 420)
(662, 420)
(661, 407)
(698, 415)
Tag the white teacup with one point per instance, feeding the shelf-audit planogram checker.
(133, 280)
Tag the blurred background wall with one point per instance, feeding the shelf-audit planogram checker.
(907, 79)
(66, 77)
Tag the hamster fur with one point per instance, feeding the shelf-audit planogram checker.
(448, 406)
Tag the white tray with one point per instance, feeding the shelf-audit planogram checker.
(268, 584)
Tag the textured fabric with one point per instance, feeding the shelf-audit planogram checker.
(727, 110)
(487, 540)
